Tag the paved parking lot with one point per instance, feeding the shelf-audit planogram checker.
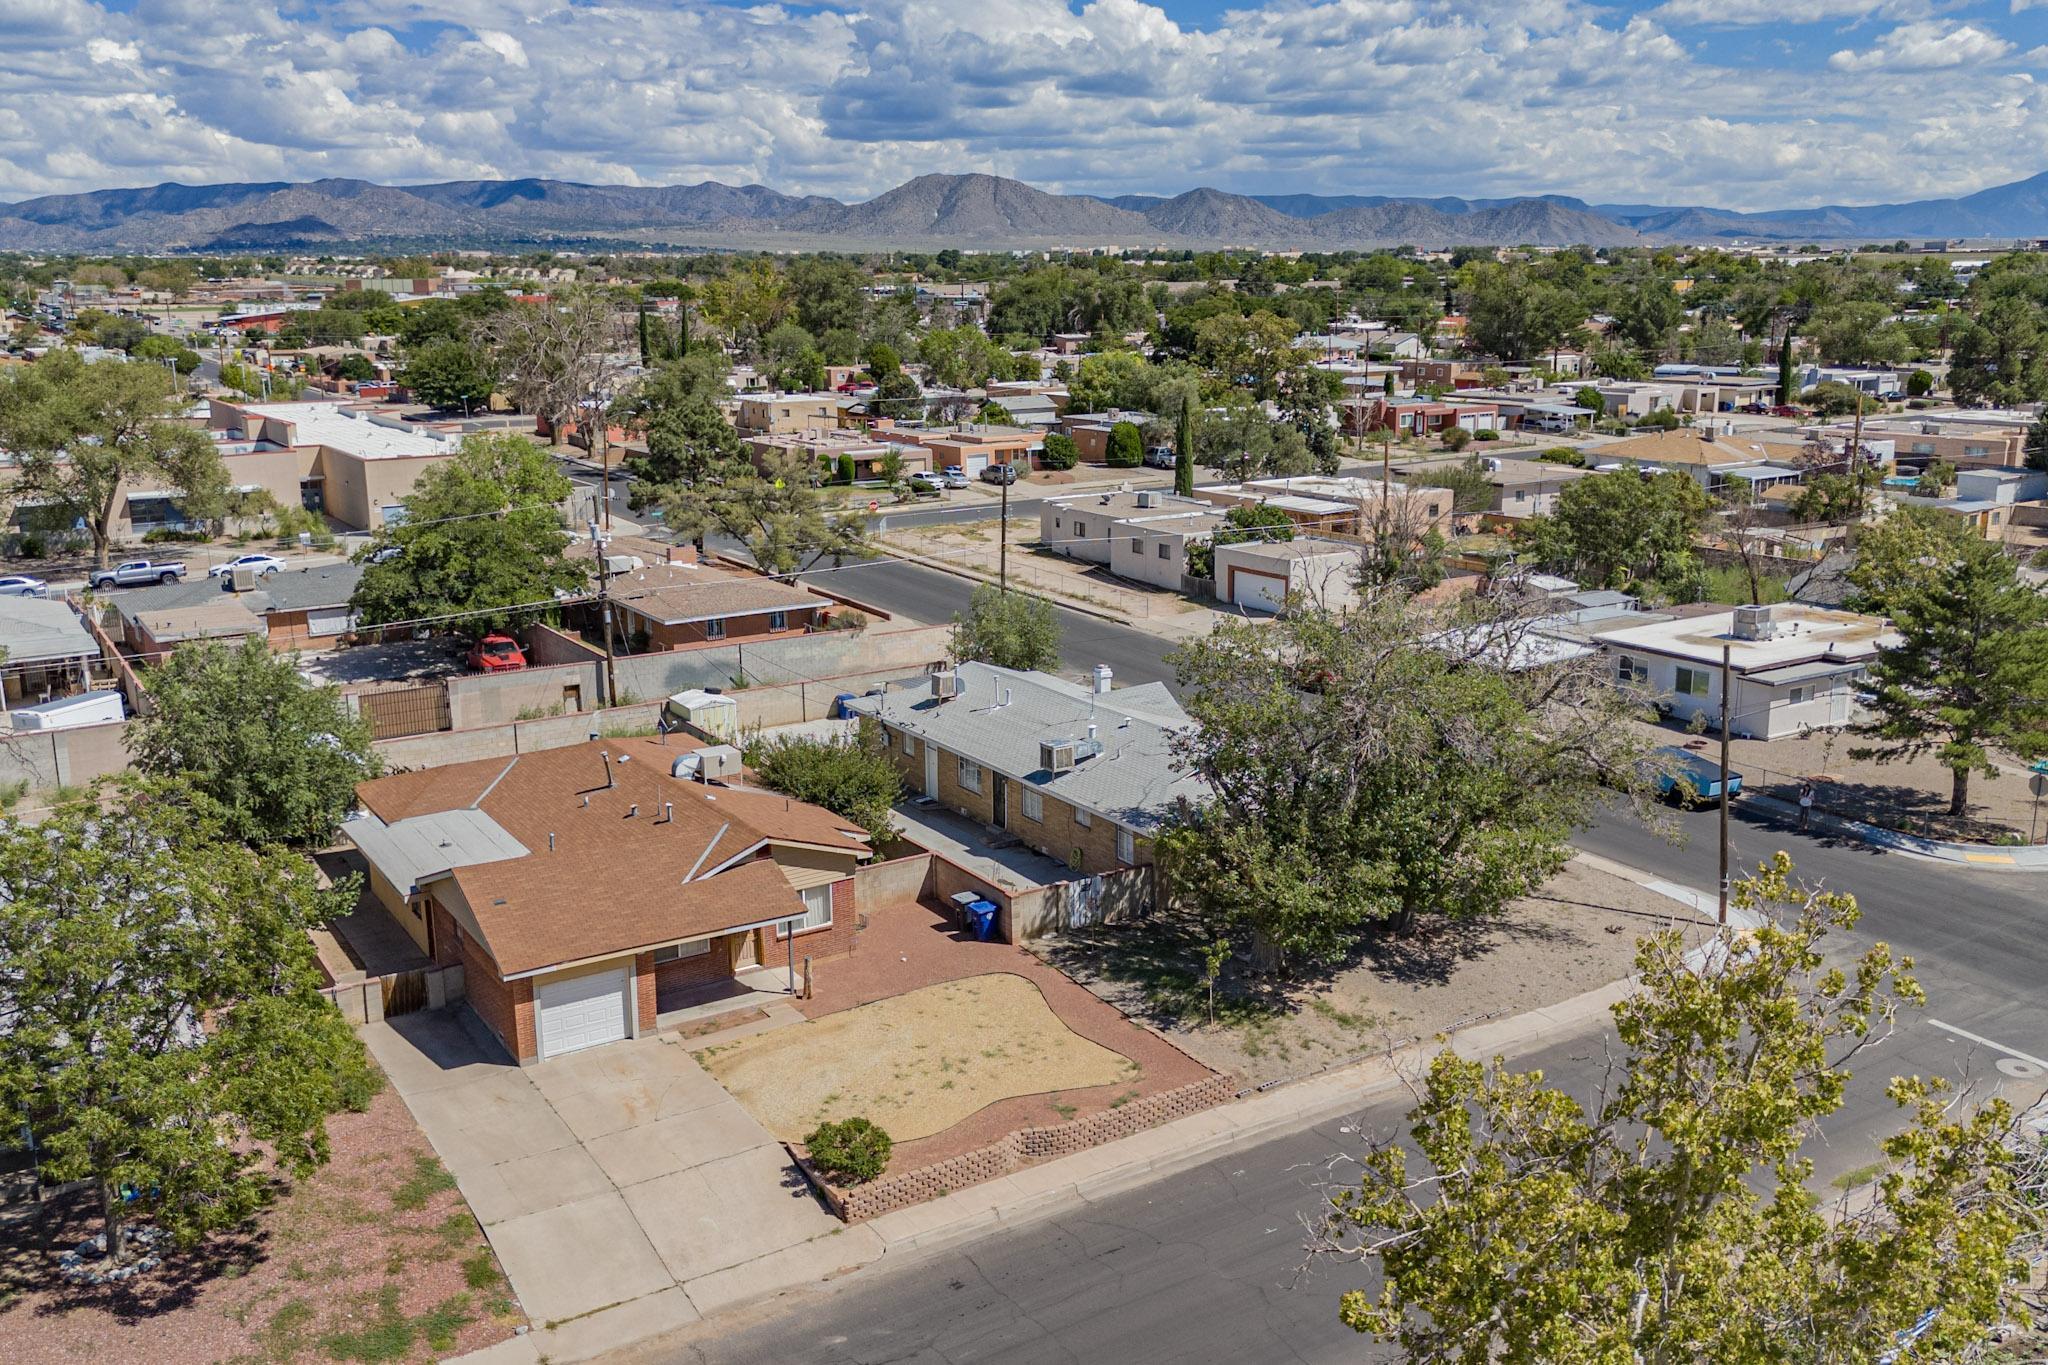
(612, 1183)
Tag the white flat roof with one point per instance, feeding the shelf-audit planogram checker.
(1800, 633)
(331, 424)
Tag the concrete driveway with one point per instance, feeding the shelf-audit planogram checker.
(623, 1190)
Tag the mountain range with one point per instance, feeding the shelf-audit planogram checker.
(971, 211)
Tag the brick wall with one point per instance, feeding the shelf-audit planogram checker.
(506, 1007)
(643, 990)
(690, 634)
(901, 1189)
(831, 941)
(683, 973)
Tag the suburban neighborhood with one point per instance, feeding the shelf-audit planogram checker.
(671, 771)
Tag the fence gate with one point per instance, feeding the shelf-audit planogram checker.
(404, 992)
(404, 711)
(1083, 902)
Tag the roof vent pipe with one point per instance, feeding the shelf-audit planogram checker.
(632, 810)
(551, 841)
(607, 770)
(668, 812)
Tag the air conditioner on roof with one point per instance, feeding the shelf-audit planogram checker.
(946, 684)
(1057, 755)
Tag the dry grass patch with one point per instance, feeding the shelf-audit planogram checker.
(916, 1064)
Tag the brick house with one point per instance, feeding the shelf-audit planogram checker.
(690, 606)
(1084, 775)
(587, 890)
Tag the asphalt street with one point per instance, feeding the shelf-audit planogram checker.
(1209, 1265)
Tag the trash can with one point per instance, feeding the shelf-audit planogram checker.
(983, 916)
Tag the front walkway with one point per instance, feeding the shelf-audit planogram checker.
(623, 1190)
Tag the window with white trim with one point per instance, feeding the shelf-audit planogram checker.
(970, 776)
(1799, 694)
(817, 912)
(714, 629)
(1126, 847)
(1162, 550)
(910, 744)
(1627, 670)
(778, 620)
(1691, 682)
(1082, 818)
(1034, 805)
(1137, 546)
(676, 952)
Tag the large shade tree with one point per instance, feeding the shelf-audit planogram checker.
(83, 433)
(280, 755)
(1366, 771)
(162, 1031)
(481, 544)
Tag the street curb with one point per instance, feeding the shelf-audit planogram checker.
(1993, 857)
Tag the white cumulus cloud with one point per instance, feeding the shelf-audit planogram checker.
(1925, 47)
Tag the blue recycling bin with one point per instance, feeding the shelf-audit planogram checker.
(983, 915)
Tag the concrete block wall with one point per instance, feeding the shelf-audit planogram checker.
(48, 759)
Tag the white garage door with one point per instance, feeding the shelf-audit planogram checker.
(1258, 591)
(581, 1011)
(975, 464)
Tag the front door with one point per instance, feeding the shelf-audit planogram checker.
(1002, 795)
(931, 772)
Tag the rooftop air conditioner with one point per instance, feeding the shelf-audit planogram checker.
(1148, 498)
(1754, 623)
(1057, 755)
(946, 683)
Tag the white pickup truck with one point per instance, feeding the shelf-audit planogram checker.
(137, 572)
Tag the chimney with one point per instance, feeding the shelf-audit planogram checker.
(1102, 679)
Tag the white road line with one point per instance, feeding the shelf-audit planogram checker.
(1995, 1047)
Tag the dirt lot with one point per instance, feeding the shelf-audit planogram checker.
(375, 1258)
(1900, 794)
(975, 546)
(916, 1063)
(1577, 935)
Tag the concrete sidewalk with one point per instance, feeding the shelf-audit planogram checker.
(1041, 1191)
(1999, 857)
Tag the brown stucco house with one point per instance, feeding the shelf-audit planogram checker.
(586, 890)
(303, 609)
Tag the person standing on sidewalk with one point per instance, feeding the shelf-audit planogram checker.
(1805, 802)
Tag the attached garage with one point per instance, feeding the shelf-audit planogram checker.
(975, 464)
(1258, 575)
(1260, 591)
(575, 1012)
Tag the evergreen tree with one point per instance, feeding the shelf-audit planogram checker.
(1788, 386)
(1184, 452)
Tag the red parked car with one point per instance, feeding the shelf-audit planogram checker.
(496, 654)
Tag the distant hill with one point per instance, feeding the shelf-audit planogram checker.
(974, 211)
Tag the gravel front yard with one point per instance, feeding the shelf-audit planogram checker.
(1578, 934)
(375, 1258)
(916, 1063)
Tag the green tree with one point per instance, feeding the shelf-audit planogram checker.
(1832, 398)
(166, 1038)
(161, 348)
(1609, 529)
(1363, 775)
(1184, 452)
(357, 369)
(857, 780)
(449, 373)
(481, 544)
(1059, 451)
(1591, 399)
(1007, 629)
(279, 755)
(82, 433)
(1971, 668)
(1673, 1225)
(2037, 443)
(1126, 448)
(1788, 381)
(1471, 490)
(776, 512)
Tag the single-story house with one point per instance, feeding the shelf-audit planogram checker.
(50, 652)
(1261, 575)
(587, 890)
(1154, 549)
(1793, 667)
(1085, 775)
(689, 606)
(303, 609)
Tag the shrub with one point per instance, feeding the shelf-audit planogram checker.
(32, 547)
(1457, 438)
(1059, 452)
(859, 781)
(1126, 447)
(1561, 455)
(849, 1152)
(1486, 434)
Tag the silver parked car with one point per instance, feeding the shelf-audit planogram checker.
(21, 585)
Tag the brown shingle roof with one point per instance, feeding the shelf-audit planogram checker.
(622, 857)
(674, 593)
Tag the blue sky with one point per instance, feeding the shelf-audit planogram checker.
(1742, 103)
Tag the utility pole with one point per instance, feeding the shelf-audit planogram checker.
(604, 605)
(1003, 536)
(1727, 673)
